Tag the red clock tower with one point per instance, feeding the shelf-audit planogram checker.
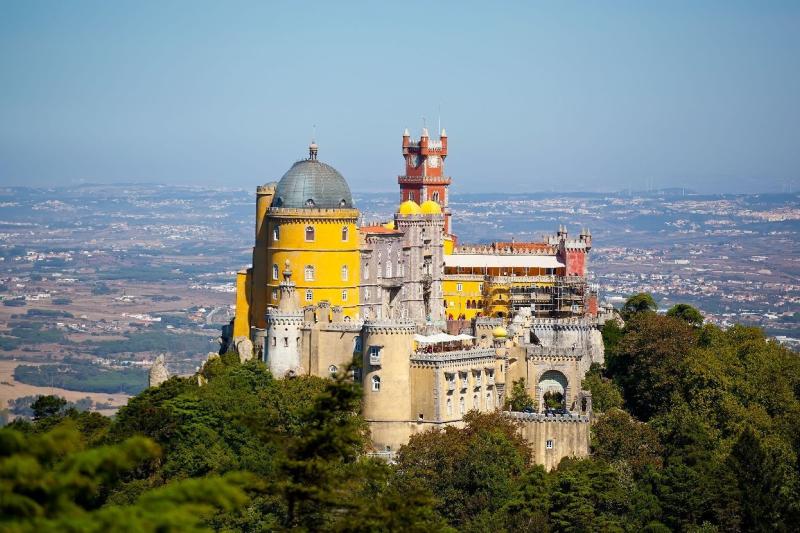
(424, 178)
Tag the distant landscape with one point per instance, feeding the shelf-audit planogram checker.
(99, 279)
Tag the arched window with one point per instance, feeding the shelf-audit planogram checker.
(332, 370)
(276, 232)
(489, 405)
(449, 406)
(345, 273)
(309, 295)
(309, 233)
(309, 273)
(345, 233)
(475, 404)
(344, 295)
(376, 383)
(461, 407)
(275, 272)
(435, 197)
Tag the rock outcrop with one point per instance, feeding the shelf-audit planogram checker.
(158, 372)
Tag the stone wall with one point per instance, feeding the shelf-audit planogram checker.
(553, 438)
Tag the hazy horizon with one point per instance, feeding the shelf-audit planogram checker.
(539, 97)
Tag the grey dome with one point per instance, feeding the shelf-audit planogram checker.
(313, 184)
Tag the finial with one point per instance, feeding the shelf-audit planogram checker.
(287, 271)
(443, 134)
(312, 150)
(406, 133)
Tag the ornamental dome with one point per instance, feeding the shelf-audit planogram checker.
(313, 184)
(409, 207)
(389, 225)
(499, 331)
(429, 207)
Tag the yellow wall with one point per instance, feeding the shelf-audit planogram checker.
(457, 300)
(327, 253)
(448, 245)
(241, 322)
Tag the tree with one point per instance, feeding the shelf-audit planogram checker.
(639, 303)
(686, 313)
(467, 470)
(47, 406)
(618, 438)
(606, 394)
(519, 399)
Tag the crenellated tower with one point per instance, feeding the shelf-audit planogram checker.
(424, 178)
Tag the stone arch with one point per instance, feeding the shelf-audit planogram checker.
(552, 388)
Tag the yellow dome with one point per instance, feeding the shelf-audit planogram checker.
(499, 331)
(409, 207)
(429, 207)
(389, 225)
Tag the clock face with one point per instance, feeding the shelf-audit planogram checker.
(433, 161)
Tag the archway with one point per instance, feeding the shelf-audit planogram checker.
(552, 390)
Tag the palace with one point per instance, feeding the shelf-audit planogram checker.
(433, 328)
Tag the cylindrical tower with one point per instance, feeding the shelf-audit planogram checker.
(386, 378)
(264, 195)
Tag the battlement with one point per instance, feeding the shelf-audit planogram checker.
(571, 418)
(469, 354)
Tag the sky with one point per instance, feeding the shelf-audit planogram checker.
(535, 96)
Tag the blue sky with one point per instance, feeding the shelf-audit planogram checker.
(535, 96)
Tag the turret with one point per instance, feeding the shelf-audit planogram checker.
(283, 342)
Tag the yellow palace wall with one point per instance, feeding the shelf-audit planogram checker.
(327, 253)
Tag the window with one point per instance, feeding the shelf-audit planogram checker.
(480, 287)
(309, 295)
(449, 406)
(357, 344)
(461, 406)
(366, 293)
(276, 232)
(366, 272)
(274, 341)
(309, 273)
(332, 370)
(389, 269)
(344, 295)
(475, 404)
(274, 294)
(435, 197)
(275, 272)
(459, 287)
(489, 405)
(376, 383)
(345, 233)
(309, 233)
(549, 444)
(286, 342)
(375, 355)
(345, 273)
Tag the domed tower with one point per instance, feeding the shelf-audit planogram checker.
(311, 222)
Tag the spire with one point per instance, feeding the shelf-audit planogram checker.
(288, 298)
(424, 132)
(443, 134)
(406, 133)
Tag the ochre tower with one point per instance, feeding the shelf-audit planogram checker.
(424, 178)
(312, 224)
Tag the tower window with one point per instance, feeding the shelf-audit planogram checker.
(309, 233)
(275, 272)
(345, 233)
(376, 383)
(449, 406)
(345, 273)
(549, 444)
(344, 295)
(366, 272)
(286, 342)
(309, 273)
(332, 370)
(435, 197)
(461, 406)
(459, 287)
(274, 294)
(309, 295)
(276, 232)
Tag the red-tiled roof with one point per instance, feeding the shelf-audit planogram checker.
(524, 245)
